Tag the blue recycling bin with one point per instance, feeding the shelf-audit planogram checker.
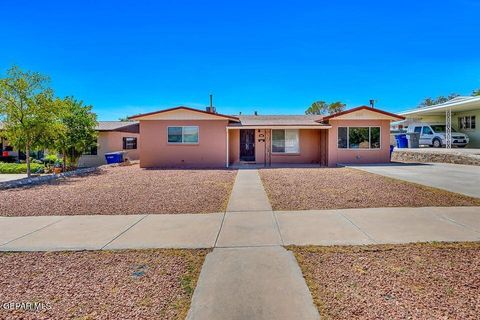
(114, 157)
(402, 141)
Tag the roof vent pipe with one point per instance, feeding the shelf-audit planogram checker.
(211, 108)
(372, 103)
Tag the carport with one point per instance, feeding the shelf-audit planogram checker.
(459, 113)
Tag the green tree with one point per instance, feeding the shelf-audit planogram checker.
(324, 108)
(78, 130)
(476, 92)
(440, 99)
(28, 111)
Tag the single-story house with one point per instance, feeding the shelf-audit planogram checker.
(184, 136)
(463, 111)
(112, 136)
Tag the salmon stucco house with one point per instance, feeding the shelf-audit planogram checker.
(189, 137)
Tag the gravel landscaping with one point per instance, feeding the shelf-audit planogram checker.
(146, 284)
(416, 281)
(124, 190)
(342, 188)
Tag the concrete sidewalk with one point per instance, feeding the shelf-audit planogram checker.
(240, 229)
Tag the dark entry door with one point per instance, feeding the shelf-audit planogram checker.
(247, 145)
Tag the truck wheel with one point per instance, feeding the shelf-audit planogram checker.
(437, 143)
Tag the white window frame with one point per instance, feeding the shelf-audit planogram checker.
(183, 142)
(285, 153)
(470, 122)
(369, 138)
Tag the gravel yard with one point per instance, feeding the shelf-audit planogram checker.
(147, 284)
(417, 281)
(342, 188)
(124, 190)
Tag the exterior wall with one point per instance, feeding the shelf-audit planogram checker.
(109, 141)
(155, 151)
(473, 134)
(233, 146)
(309, 147)
(336, 155)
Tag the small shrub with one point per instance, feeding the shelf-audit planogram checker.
(19, 167)
(51, 159)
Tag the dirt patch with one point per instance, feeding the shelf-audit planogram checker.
(342, 188)
(417, 281)
(124, 190)
(146, 284)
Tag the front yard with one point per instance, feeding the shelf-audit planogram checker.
(141, 284)
(416, 281)
(124, 190)
(342, 188)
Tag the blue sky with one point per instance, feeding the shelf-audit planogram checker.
(128, 57)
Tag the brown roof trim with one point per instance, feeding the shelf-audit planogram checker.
(361, 108)
(184, 108)
(281, 125)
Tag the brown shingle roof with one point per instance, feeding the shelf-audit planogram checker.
(278, 120)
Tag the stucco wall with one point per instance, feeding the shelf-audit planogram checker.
(309, 140)
(336, 155)
(109, 141)
(155, 151)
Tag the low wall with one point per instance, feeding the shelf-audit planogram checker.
(422, 155)
(35, 180)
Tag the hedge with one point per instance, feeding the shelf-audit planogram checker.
(19, 167)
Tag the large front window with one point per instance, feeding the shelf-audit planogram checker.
(358, 138)
(285, 141)
(185, 135)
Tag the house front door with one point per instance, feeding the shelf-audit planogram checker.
(247, 144)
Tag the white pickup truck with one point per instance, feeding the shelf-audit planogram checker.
(434, 135)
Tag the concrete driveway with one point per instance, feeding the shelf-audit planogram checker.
(451, 177)
(11, 176)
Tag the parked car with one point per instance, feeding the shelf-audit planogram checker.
(434, 135)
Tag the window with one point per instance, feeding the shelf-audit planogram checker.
(358, 138)
(417, 129)
(466, 123)
(92, 151)
(185, 135)
(129, 143)
(285, 141)
(426, 130)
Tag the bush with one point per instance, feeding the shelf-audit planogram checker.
(19, 167)
(51, 159)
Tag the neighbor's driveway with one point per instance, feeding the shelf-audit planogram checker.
(452, 177)
(4, 177)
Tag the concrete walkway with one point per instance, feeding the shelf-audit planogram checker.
(451, 177)
(249, 275)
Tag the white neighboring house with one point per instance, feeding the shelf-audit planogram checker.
(112, 136)
(464, 113)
